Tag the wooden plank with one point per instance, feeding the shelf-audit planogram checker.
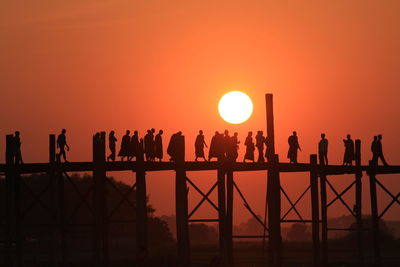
(374, 217)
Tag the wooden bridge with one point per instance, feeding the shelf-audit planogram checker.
(224, 185)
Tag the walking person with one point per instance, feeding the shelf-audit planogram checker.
(111, 144)
(124, 150)
(374, 150)
(379, 151)
(158, 147)
(235, 143)
(293, 147)
(199, 146)
(260, 140)
(62, 145)
(216, 147)
(17, 149)
(249, 148)
(348, 151)
(133, 146)
(323, 150)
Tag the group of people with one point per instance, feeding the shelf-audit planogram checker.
(222, 146)
(132, 147)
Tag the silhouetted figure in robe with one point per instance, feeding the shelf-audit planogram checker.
(379, 151)
(199, 146)
(17, 149)
(216, 147)
(260, 140)
(125, 144)
(61, 145)
(267, 148)
(173, 149)
(323, 150)
(293, 147)
(134, 146)
(348, 151)
(148, 145)
(152, 145)
(249, 148)
(111, 144)
(158, 145)
(374, 150)
(235, 145)
(226, 144)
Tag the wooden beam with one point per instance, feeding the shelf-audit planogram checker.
(270, 126)
(9, 212)
(229, 217)
(358, 205)
(374, 216)
(315, 209)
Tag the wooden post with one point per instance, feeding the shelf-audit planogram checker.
(53, 186)
(324, 219)
(9, 227)
(182, 223)
(374, 214)
(61, 215)
(315, 209)
(274, 213)
(141, 210)
(270, 126)
(358, 206)
(229, 217)
(17, 207)
(222, 212)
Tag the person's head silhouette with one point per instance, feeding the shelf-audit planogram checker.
(63, 131)
(226, 132)
(323, 136)
(135, 132)
(112, 133)
(250, 134)
(235, 134)
(128, 132)
(201, 132)
(294, 133)
(160, 132)
(348, 136)
(17, 133)
(379, 136)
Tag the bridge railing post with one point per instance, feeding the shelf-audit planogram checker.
(229, 216)
(181, 198)
(324, 219)
(374, 214)
(358, 205)
(315, 209)
(53, 196)
(141, 210)
(274, 212)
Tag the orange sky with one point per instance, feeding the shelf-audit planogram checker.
(100, 65)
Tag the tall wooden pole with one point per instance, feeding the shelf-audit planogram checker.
(374, 214)
(324, 220)
(358, 206)
(141, 211)
(274, 213)
(222, 213)
(53, 182)
(229, 217)
(9, 227)
(182, 223)
(270, 126)
(315, 209)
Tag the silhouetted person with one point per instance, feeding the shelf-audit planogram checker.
(323, 150)
(260, 140)
(17, 149)
(293, 147)
(125, 143)
(62, 144)
(235, 144)
(216, 147)
(172, 149)
(199, 146)
(379, 151)
(267, 147)
(111, 144)
(249, 147)
(152, 145)
(158, 146)
(348, 151)
(148, 145)
(374, 150)
(133, 146)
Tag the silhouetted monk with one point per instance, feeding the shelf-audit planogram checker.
(148, 145)
(124, 150)
(133, 146)
(152, 145)
(62, 144)
(226, 143)
(17, 149)
(374, 150)
(235, 144)
(172, 149)
(158, 145)
(111, 144)
(293, 147)
(323, 150)
(249, 148)
(379, 151)
(216, 149)
(199, 146)
(260, 140)
(348, 151)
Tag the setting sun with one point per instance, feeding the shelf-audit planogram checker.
(235, 107)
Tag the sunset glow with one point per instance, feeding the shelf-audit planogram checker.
(235, 107)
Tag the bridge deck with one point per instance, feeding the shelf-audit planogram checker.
(196, 166)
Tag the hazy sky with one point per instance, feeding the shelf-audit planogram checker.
(333, 67)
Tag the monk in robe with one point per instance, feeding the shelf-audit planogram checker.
(249, 148)
(159, 146)
(124, 151)
(199, 146)
(293, 147)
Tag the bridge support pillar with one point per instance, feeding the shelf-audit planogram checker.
(315, 209)
(9, 226)
(181, 198)
(358, 205)
(229, 217)
(274, 213)
(374, 215)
